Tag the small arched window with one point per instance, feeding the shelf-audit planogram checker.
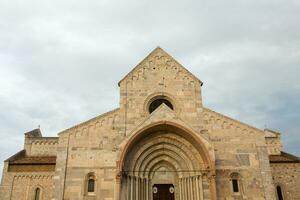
(279, 193)
(37, 194)
(235, 183)
(157, 102)
(90, 183)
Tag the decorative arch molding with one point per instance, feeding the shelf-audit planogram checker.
(190, 135)
(164, 95)
(169, 146)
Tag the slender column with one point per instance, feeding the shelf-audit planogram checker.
(186, 189)
(143, 189)
(131, 188)
(147, 189)
(137, 188)
(140, 188)
(180, 192)
(201, 187)
(127, 188)
(151, 192)
(197, 188)
(183, 189)
(191, 187)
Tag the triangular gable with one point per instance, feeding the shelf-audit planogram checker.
(156, 52)
(163, 113)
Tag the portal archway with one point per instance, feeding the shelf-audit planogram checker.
(165, 154)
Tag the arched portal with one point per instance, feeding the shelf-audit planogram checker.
(164, 155)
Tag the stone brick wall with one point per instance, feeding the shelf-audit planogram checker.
(287, 176)
(88, 147)
(37, 145)
(274, 146)
(273, 142)
(159, 74)
(22, 186)
(42, 146)
(241, 149)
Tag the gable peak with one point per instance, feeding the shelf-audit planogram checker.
(159, 56)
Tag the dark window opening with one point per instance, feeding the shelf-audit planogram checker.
(156, 103)
(235, 185)
(279, 193)
(91, 185)
(37, 194)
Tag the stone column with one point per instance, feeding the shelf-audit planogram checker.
(118, 186)
(147, 189)
(212, 186)
(197, 188)
(136, 188)
(180, 189)
(186, 191)
(128, 184)
(201, 187)
(131, 187)
(191, 187)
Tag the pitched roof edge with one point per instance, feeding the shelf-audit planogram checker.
(290, 155)
(16, 155)
(292, 158)
(87, 121)
(34, 133)
(237, 121)
(131, 71)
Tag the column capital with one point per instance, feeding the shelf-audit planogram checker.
(119, 176)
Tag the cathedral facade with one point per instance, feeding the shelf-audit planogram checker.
(162, 143)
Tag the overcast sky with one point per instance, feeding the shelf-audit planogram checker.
(60, 60)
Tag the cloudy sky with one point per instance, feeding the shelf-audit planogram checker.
(60, 60)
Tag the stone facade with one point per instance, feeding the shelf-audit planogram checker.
(161, 135)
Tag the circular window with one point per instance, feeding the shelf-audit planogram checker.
(156, 103)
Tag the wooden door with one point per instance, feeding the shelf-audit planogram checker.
(163, 192)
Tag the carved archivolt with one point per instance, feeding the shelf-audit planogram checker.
(163, 156)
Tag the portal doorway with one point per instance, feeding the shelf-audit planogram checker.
(168, 159)
(163, 192)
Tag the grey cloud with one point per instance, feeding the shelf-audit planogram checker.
(60, 61)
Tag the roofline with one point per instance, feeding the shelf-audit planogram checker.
(272, 131)
(291, 156)
(158, 47)
(237, 121)
(50, 163)
(87, 121)
(11, 158)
